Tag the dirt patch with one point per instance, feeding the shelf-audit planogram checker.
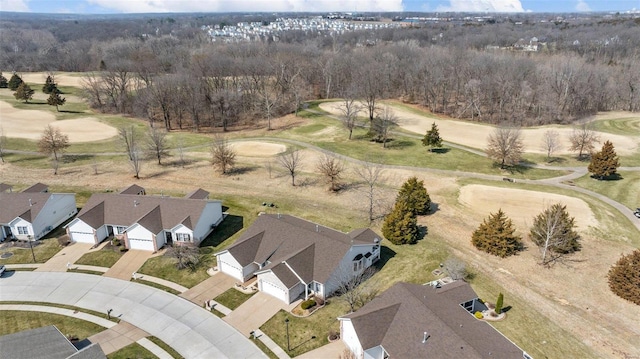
(29, 124)
(475, 135)
(258, 149)
(522, 205)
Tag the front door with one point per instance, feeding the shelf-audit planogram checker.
(169, 238)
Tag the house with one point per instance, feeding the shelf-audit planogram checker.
(4, 187)
(31, 215)
(145, 222)
(198, 194)
(134, 189)
(37, 188)
(424, 321)
(45, 343)
(293, 258)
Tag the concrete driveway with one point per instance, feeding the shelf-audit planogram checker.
(130, 262)
(188, 328)
(118, 337)
(209, 288)
(251, 314)
(68, 255)
(331, 350)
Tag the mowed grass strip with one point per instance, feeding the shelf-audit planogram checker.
(64, 306)
(625, 190)
(233, 298)
(174, 354)
(619, 126)
(100, 258)
(166, 268)
(132, 351)
(14, 321)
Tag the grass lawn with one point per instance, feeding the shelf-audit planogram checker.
(16, 321)
(625, 190)
(46, 249)
(88, 311)
(166, 347)
(619, 126)
(156, 285)
(132, 351)
(165, 268)
(101, 258)
(265, 349)
(232, 298)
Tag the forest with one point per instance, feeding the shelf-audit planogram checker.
(165, 68)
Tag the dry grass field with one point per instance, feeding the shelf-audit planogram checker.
(573, 296)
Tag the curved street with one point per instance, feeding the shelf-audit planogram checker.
(189, 329)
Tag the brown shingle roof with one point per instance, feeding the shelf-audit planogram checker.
(415, 309)
(284, 237)
(152, 220)
(286, 276)
(245, 252)
(5, 187)
(37, 188)
(198, 194)
(14, 205)
(126, 209)
(133, 189)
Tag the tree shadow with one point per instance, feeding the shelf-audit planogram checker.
(613, 177)
(242, 170)
(70, 111)
(399, 144)
(558, 160)
(507, 308)
(435, 207)
(231, 225)
(386, 254)
(76, 157)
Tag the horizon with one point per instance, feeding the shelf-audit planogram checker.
(123, 7)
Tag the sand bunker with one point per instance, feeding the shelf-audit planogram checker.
(475, 135)
(257, 149)
(29, 124)
(522, 205)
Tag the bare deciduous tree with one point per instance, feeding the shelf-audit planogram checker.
(371, 174)
(353, 286)
(180, 150)
(551, 142)
(135, 161)
(129, 137)
(3, 144)
(291, 162)
(53, 142)
(505, 146)
(157, 143)
(583, 140)
(186, 255)
(349, 108)
(456, 268)
(382, 125)
(223, 156)
(332, 169)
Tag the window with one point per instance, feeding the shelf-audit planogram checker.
(22, 230)
(184, 237)
(357, 265)
(120, 229)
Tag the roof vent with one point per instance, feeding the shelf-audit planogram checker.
(278, 215)
(135, 203)
(425, 336)
(30, 204)
(317, 228)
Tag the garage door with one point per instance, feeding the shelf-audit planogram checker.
(143, 244)
(231, 270)
(274, 290)
(82, 237)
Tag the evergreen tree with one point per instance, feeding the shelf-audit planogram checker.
(49, 86)
(496, 235)
(55, 99)
(499, 303)
(415, 196)
(401, 225)
(23, 92)
(604, 163)
(3, 81)
(553, 232)
(14, 82)
(432, 138)
(624, 277)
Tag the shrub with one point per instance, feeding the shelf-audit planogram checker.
(63, 241)
(499, 303)
(307, 304)
(478, 315)
(624, 280)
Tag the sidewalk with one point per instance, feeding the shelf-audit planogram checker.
(279, 352)
(147, 344)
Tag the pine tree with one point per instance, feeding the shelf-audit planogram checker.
(49, 86)
(55, 99)
(415, 196)
(401, 225)
(624, 277)
(23, 92)
(432, 138)
(499, 303)
(553, 232)
(3, 82)
(605, 163)
(496, 235)
(14, 82)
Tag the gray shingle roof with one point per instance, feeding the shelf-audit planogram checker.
(24, 205)
(313, 251)
(4, 187)
(198, 194)
(133, 189)
(405, 311)
(37, 188)
(44, 343)
(126, 209)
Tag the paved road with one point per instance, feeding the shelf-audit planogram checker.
(186, 327)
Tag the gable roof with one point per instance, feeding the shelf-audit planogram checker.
(313, 251)
(4, 187)
(44, 343)
(24, 205)
(405, 311)
(154, 213)
(198, 194)
(133, 189)
(37, 188)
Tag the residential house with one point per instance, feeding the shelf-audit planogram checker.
(37, 188)
(293, 258)
(145, 222)
(45, 343)
(31, 215)
(4, 187)
(425, 321)
(134, 189)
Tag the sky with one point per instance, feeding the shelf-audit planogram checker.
(145, 6)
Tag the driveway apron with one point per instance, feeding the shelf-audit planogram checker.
(65, 258)
(129, 263)
(251, 314)
(209, 288)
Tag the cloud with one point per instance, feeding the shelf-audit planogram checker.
(582, 5)
(14, 5)
(247, 5)
(483, 6)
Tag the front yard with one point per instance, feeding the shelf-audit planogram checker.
(43, 251)
(233, 298)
